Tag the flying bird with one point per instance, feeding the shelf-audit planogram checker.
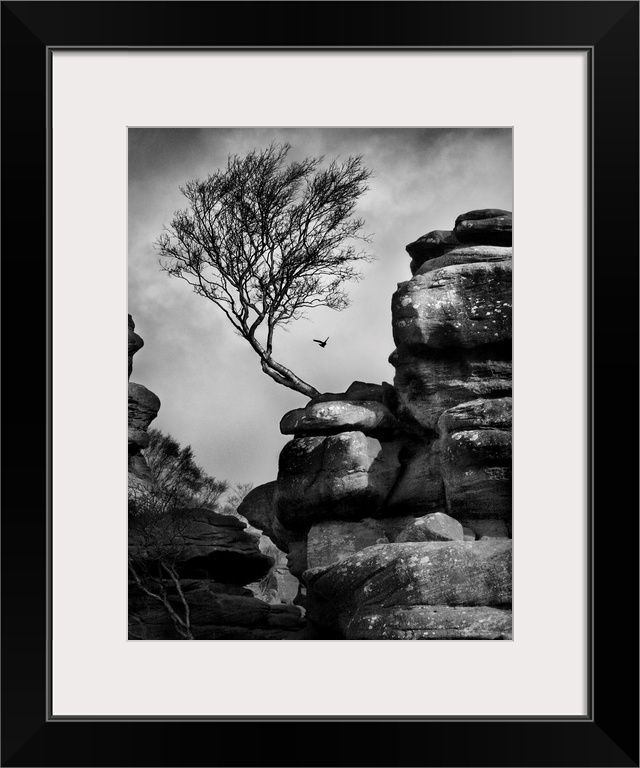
(322, 343)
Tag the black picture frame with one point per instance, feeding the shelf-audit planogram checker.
(608, 736)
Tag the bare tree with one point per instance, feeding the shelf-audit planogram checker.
(158, 524)
(266, 241)
(155, 535)
(176, 476)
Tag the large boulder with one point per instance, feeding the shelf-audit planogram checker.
(358, 391)
(486, 227)
(481, 214)
(143, 408)
(434, 527)
(468, 254)
(345, 476)
(432, 245)
(330, 417)
(476, 469)
(257, 507)
(201, 544)
(461, 306)
(495, 413)
(429, 385)
(402, 575)
(476, 458)
(332, 540)
(490, 226)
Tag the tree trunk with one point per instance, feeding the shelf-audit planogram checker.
(288, 379)
(278, 372)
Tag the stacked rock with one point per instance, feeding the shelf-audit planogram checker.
(211, 558)
(335, 478)
(452, 328)
(143, 408)
(383, 491)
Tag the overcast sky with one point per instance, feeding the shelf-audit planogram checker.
(214, 395)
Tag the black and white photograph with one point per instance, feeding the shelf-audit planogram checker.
(308, 221)
(320, 383)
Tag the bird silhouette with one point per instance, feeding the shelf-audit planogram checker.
(322, 343)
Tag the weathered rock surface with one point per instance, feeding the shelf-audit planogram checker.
(333, 540)
(283, 584)
(428, 386)
(482, 213)
(485, 227)
(468, 254)
(476, 458)
(203, 544)
(476, 469)
(477, 414)
(330, 417)
(489, 527)
(402, 575)
(143, 407)
(347, 475)
(419, 487)
(257, 508)
(139, 472)
(461, 306)
(432, 245)
(423, 573)
(469, 535)
(434, 527)
(297, 556)
(431, 622)
(214, 615)
(358, 391)
(135, 343)
(213, 555)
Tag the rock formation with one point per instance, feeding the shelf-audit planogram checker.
(452, 328)
(394, 502)
(416, 591)
(214, 557)
(210, 557)
(143, 408)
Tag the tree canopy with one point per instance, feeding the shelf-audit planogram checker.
(176, 476)
(266, 241)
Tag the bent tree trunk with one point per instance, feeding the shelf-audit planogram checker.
(276, 370)
(286, 377)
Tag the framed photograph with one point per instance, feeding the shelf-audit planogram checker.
(491, 110)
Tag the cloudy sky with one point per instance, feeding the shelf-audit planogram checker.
(214, 395)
